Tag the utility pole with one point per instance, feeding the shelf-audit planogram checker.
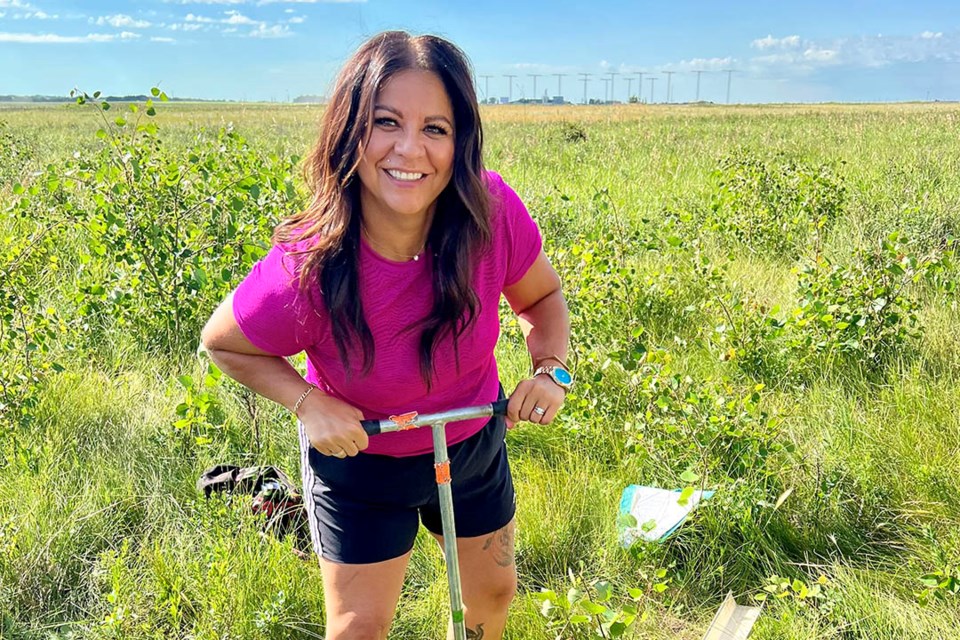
(586, 76)
(612, 74)
(651, 81)
(509, 86)
(534, 76)
(669, 75)
(698, 72)
(629, 84)
(729, 73)
(640, 86)
(559, 87)
(486, 87)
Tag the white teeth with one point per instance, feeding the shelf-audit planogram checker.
(400, 175)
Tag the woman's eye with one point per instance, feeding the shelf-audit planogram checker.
(436, 129)
(385, 122)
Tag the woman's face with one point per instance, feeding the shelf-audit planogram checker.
(408, 160)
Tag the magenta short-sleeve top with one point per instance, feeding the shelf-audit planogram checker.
(277, 317)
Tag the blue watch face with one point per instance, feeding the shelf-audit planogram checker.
(563, 376)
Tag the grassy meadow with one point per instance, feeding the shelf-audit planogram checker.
(764, 304)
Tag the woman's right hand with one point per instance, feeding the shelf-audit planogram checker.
(332, 426)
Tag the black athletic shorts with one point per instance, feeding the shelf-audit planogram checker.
(368, 508)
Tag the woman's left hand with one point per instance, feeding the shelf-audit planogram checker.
(536, 400)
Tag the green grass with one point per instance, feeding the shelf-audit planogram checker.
(102, 534)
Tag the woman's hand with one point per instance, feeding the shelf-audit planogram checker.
(536, 400)
(332, 426)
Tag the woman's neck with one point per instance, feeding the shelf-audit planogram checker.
(400, 242)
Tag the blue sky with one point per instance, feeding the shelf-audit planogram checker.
(778, 51)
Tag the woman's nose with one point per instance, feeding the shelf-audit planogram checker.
(409, 143)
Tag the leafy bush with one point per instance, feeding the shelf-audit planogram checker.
(169, 233)
(776, 209)
(858, 316)
(15, 152)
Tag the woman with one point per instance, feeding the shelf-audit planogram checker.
(390, 280)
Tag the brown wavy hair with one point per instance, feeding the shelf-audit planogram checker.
(461, 225)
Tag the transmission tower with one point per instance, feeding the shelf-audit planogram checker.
(559, 76)
(729, 73)
(534, 76)
(669, 75)
(629, 85)
(651, 81)
(640, 86)
(486, 86)
(509, 86)
(612, 74)
(585, 78)
(698, 72)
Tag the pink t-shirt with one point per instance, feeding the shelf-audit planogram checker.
(277, 318)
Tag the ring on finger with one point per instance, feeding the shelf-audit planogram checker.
(539, 411)
(340, 454)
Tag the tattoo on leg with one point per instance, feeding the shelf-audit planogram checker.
(501, 545)
(475, 634)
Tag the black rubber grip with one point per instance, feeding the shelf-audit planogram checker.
(372, 427)
(500, 407)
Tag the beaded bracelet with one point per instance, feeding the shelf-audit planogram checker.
(303, 396)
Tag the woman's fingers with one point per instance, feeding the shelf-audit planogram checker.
(535, 400)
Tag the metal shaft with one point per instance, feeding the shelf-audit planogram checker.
(444, 480)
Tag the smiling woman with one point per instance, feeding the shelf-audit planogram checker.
(390, 281)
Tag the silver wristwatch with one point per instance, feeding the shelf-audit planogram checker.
(558, 374)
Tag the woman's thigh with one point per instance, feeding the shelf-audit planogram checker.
(361, 599)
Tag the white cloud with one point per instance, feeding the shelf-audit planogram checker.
(184, 26)
(120, 20)
(14, 4)
(703, 64)
(193, 18)
(296, 20)
(276, 31)
(806, 56)
(52, 38)
(789, 42)
(238, 18)
(819, 55)
(161, 39)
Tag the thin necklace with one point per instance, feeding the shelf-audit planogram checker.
(380, 248)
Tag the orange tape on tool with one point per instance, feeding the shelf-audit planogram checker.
(443, 472)
(404, 421)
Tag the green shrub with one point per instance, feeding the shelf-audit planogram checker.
(775, 208)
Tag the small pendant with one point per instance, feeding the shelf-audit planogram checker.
(416, 258)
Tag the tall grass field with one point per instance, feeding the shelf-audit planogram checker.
(764, 304)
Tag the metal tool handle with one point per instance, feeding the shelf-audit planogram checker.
(498, 408)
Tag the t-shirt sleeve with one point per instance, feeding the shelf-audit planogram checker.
(270, 309)
(523, 237)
